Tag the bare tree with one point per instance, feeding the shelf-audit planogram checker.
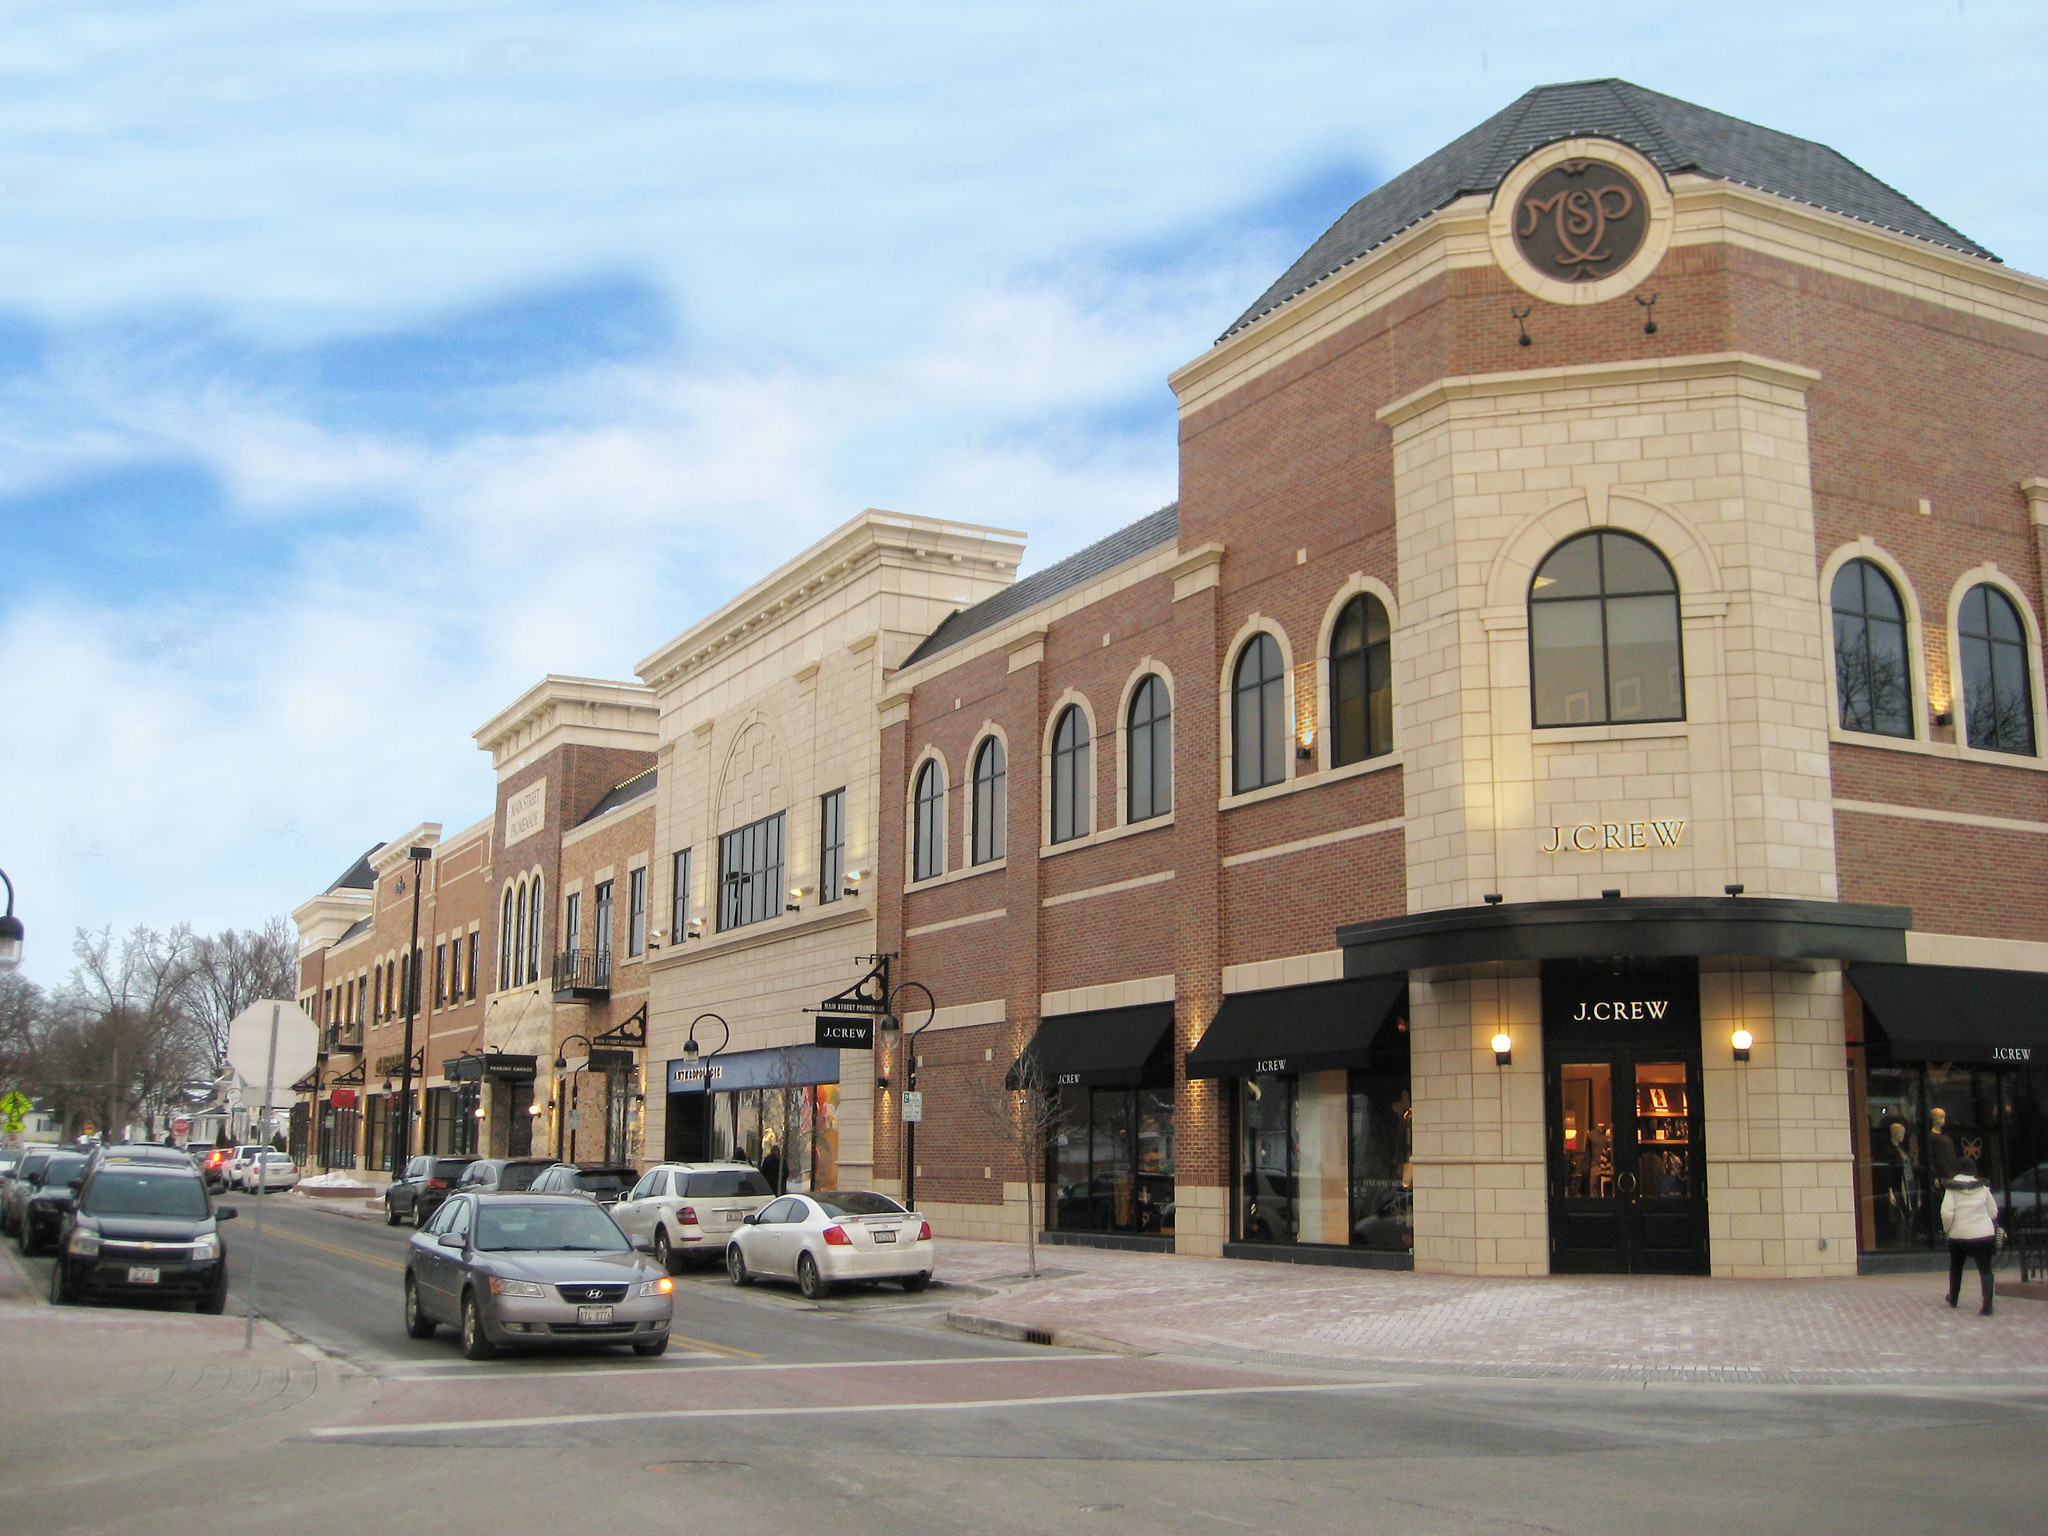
(227, 971)
(119, 1039)
(1022, 1113)
(24, 1012)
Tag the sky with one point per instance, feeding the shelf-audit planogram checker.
(362, 362)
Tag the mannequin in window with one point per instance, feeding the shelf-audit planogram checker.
(1941, 1147)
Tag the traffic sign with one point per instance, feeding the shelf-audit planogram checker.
(14, 1108)
(249, 1047)
(913, 1106)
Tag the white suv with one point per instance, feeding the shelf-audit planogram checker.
(681, 1211)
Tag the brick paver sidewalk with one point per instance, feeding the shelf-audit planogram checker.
(1889, 1329)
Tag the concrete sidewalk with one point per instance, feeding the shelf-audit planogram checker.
(1891, 1329)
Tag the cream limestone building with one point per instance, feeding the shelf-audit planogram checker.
(769, 764)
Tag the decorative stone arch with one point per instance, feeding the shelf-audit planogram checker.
(753, 732)
(1078, 700)
(1255, 623)
(928, 754)
(1676, 537)
(1326, 632)
(1867, 548)
(1148, 666)
(988, 730)
(1989, 575)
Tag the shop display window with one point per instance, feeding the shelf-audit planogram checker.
(1110, 1160)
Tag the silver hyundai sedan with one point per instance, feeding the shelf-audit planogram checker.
(520, 1269)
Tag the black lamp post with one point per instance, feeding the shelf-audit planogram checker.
(419, 856)
(11, 931)
(690, 1056)
(891, 1024)
(561, 1092)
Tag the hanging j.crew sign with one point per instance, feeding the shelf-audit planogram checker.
(1596, 836)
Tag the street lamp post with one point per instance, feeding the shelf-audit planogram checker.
(561, 1088)
(11, 931)
(690, 1056)
(419, 856)
(894, 1025)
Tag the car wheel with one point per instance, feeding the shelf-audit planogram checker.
(736, 1264)
(27, 1239)
(417, 1324)
(61, 1295)
(476, 1344)
(419, 1217)
(390, 1213)
(215, 1301)
(664, 1255)
(655, 1347)
(916, 1283)
(808, 1280)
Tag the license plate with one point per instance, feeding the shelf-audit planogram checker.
(886, 1235)
(143, 1274)
(732, 1215)
(593, 1314)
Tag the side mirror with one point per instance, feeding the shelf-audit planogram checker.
(751, 1219)
(451, 1239)
(225, 1213)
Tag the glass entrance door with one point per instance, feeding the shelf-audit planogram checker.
(1627, 1193)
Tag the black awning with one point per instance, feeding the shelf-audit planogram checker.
(1315, 1028)
(1956, 1012)
(1104, 1049)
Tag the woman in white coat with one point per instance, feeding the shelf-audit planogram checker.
(1969, 1215)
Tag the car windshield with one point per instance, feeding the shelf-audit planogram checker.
(857, 1202)
(566, 1228)
(728, 1181)
(518, 1176)
(598, 1183)
(448, 1168)
(62, 1168)
(124, 1193)
(34, 1164)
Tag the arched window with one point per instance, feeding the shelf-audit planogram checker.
(519, 939)
(1258, 716)
(991, 794)
(1361, 683)
(1998, 690)
(1603, 634)
(928, 826)
(505, 943)
(1873, 676)
(1148, 752)
(1070, 786)
(533, 934)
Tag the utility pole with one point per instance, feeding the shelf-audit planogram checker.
(419, 856)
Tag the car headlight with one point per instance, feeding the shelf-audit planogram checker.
(515, 1288)
(83, 1244)
(206, 1247)
(660, 1287)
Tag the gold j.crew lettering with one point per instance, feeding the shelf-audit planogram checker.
(1617, 1013)
(1597, 836)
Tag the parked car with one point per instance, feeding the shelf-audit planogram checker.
(215, 1168)
(135, 1152)
(821, 1239)
(198, 1151)
(503, 1175)
(419, 1190)
(606, 1183)
(20, 1187)
(237, 1167)
(273, 1170)
(143, 1228)
(49, 1202)
(682, 1211)
(527, 1269)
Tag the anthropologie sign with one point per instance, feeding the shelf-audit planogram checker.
(1598, 836)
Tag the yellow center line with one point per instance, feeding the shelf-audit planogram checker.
(347, 1253)
(716, 1349)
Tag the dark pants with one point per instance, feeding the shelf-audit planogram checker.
(1983, 1250)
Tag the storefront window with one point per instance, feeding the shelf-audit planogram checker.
(1111, 1161)
(1324, 1157)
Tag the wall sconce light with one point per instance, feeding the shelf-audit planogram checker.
(795, 902)
(851, 883)
(1521, 320)
(1306, 744)
(1944, 717)
(1741, 1040)
(696, 929)
(1650, 313)
(1503, 1049)
(882, 1083)
(533, 1109)
(1731, 890)
(1491, 898)
(479, 1111)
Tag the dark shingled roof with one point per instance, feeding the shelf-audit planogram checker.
(624, 792)
(358, 926)
(1161, 527)
(360, 876)
(1674, 135)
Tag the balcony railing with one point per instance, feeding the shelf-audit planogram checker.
(583, 975)
(344, 1037)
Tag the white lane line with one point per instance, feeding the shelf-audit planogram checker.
(470, 1373)
(557, 1420)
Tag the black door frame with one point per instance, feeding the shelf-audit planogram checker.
(1623, 1014)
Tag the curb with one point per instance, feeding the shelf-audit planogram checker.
(1056, 1338)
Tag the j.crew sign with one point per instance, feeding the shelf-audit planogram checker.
(1596, 836)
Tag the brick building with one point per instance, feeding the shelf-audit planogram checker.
(1562, 789)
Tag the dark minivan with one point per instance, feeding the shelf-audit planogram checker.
(143, 1229)
(419, 1191)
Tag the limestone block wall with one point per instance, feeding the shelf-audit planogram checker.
(1780, 1182)
(1480, 1201)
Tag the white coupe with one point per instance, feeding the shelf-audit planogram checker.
(819, 1240)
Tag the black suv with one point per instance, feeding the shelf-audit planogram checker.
(606, 1183)
(143, 1229)
(49, 1202)
(419, 1191)
(504, 1175)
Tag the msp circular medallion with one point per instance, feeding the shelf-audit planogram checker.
(1580, 222)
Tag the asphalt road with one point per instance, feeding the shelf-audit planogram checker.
(867, 1415)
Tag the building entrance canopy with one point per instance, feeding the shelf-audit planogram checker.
(1639, 927)
(1316, 1028)
(1956, 1013)
(1104, 1049)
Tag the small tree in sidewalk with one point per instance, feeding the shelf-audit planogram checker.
(1022, 1114)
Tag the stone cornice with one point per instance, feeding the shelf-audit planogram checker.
(1595, 376)
(592, 710)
